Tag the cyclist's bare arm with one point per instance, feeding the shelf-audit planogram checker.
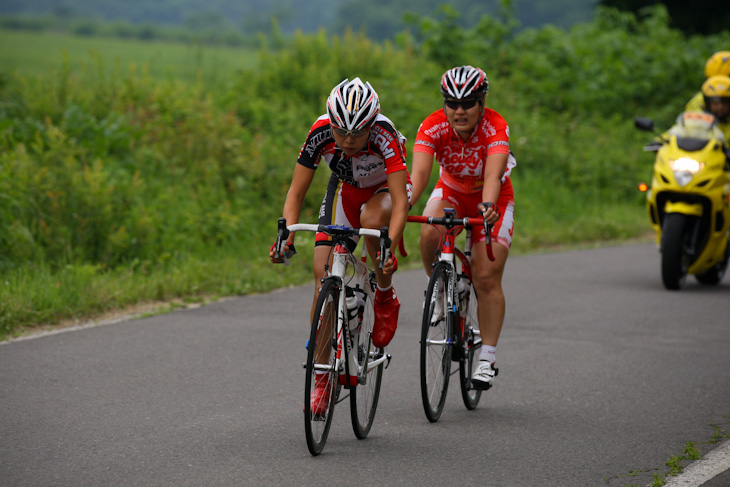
(494, 168)
(399, 199)
(301, 181)
(422, 166)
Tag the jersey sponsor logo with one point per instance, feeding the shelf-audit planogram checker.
(369, 168)
(438, 130)
(488, 129)
(499, 142)
(427, 144)
(315, 140)
(384, 142)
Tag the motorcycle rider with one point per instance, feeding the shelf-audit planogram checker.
(717, 64)
(716, 100)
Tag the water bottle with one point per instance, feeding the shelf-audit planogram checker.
(355, 298)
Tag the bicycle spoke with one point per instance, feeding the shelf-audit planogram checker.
(321, 385)
(364, 398)
(435, 344)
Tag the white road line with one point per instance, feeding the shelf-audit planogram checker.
(700, 471)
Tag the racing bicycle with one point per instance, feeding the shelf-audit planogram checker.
(340, 348)
(450, 326)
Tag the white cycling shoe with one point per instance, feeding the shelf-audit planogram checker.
(438, 308)
(438, 311)
(484, 375)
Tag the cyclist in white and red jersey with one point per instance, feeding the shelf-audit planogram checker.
(369, 187)
(471, 145)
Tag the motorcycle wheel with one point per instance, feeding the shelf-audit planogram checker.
(675, 262)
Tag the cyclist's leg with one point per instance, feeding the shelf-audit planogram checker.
(376, 213)
(322, 256)
(487, 280)
(486, 274)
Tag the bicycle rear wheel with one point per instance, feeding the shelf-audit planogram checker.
(321, 356)
(364, 397)
(436, 333)
(473, 345)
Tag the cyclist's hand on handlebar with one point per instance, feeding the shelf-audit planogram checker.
(287, 252)
(391, 265)
(489, 211)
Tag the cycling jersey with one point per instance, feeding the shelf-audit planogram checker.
(383, 154)
(462, 163)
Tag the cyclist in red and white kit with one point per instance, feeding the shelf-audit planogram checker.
(370, 187)
(471, 145)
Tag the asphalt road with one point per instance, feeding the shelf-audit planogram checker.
(604, 376)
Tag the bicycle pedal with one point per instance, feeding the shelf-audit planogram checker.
(480, 386)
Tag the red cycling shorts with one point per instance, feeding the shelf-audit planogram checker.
(342, 205)
(465, 205)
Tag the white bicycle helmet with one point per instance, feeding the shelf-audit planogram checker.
(353, 105)
(464, 82)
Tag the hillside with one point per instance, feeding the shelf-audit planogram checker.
(378, 18)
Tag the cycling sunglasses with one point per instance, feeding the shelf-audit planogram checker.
(466, 103)
(345, 133)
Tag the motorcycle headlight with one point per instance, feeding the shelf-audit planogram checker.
(684, 169)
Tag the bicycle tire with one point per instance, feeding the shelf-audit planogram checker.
(364, 397)
(473, 344)
(321, 341)
(436, 334)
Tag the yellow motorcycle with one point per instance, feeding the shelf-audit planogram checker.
(688, 199)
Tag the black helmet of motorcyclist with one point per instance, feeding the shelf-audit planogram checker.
(716, 94)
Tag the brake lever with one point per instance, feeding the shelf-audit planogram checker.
(384, 247)
(283, 234)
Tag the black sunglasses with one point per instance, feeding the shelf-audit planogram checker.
(466, 103)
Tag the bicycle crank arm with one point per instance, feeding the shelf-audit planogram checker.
(325, 367)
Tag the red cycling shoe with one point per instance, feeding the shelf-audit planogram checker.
(387, 307)
(320, 397)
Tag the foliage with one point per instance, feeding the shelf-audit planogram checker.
(709, 17)
(242, 20)
(115, 173)
(621, 72)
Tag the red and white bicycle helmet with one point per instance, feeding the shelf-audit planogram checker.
(353, 105)
(464, 82)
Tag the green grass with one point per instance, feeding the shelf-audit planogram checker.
(36, 54)
(675, 465)
(39, 296)
(123, 188)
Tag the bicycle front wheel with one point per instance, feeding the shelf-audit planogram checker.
(321, 381)
(364, 397)
(436, 333)
(472, 347)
